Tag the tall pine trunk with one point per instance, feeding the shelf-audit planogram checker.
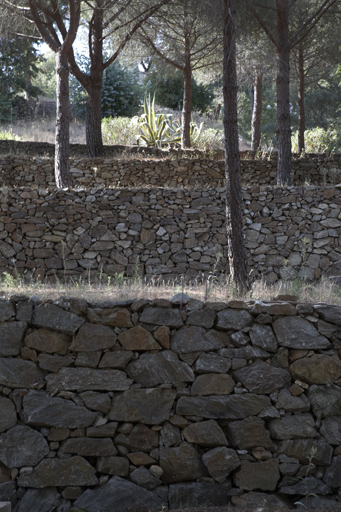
(187, 99)
(61, 160)
(236, 248)
(283, 96)
(301, 107)
(257, 111)
(94, 141)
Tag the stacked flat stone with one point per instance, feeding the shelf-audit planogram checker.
(157, 403)
(289, 232)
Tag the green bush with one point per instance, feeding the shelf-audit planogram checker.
(121, 91)
(169, 90)
(119, 130)
(319, 140)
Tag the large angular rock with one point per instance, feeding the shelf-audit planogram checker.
(92, 337)
(96, 401)
(40, 500)
(180, 464)
(16, 373)
(55, 363)
(115, 317)
(195, 339)
(263, 476)
(138, 339)
(302, 449)
(198, 494)
(263, 336)
(249, 433)
(262, 378)
(53, 317)
(106, 430)
(117, 495)
(144, 478)
(203, 318)
(170, 434)
(42, 410)
(112, 465)
(150, 406)
(11, 338)
(22, 446)
(117, 359)
(73, 471)
(325, 400)
(245, 353)
(330, 314)
(332, 474)
(296, 332)
(212, 384)
(291, 403)
(44, 340)
(141, 438)
(8, 415)
(307, 486)
(162, 316)
(83, 379)
(235, 319)
(205, 433)
(153, 369)
(6, 310)
(293, 427)
(255, 500)
(331, 429)
(232, 407)
(317, 369)
(220, 462)
(89, 447)
(212, 363)
(8, 492)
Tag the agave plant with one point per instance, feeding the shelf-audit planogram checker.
(160, 129)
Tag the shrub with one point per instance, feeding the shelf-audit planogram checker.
(209, 139)
(119, 130)
(319, 140)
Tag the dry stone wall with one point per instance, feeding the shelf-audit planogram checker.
(168, 403)
(197, 172)
(168, 232)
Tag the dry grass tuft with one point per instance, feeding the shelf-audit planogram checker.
(208, 289)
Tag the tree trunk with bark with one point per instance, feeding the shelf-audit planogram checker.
(61, 161)
(283, 96)
(94, 141)
(301, 107)
(257, 111)
(187, 99)
(236, 247)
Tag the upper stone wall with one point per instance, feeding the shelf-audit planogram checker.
(168, 232)
(200, 172)
(175, 404)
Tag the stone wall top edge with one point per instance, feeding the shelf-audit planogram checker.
(104, 303)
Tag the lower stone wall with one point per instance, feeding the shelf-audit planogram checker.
(154, 403)
(170, 233)
(199, 172)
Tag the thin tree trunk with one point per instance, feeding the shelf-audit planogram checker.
(283, 96)
(94, 141)
(61, 165)
(187, 99)
(257, 111)
(301, 95)
(236, 248)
